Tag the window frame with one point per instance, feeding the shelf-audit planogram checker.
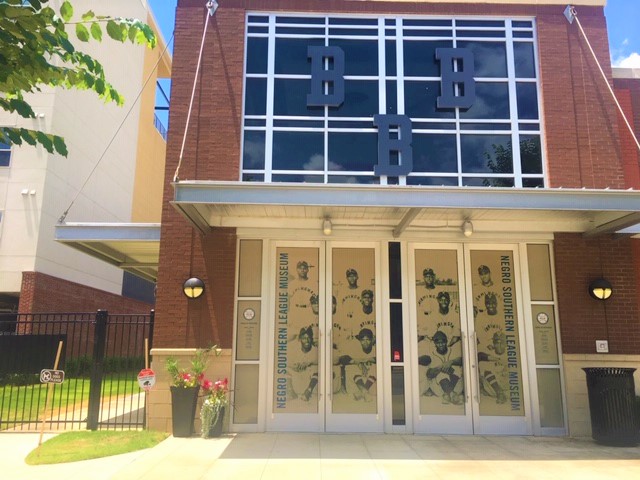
(398, 30)
(5, 147)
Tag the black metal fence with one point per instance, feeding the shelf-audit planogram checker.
(101, 356)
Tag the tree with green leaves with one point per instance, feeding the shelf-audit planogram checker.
(36, 51)
(501, 160)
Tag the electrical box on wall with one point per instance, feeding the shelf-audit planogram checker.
(602, 346)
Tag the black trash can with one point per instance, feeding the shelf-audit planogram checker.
(612, 404)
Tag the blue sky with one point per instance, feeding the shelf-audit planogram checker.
(624, 32)
(164, 11)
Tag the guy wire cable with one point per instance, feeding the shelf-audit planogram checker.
(212, 6)
(133, 104)
(571, 14)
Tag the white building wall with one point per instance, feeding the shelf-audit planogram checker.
(53, 182)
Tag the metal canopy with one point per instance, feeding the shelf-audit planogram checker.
(132, 247)
(207, 204)
(398, 209)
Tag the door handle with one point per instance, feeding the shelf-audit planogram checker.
(476, 366)
(463, 334)
(329, 388)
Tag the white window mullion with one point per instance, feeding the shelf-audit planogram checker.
(457, 113)
(382, 75)
(399, 80)
(271, 61)
(513, 107)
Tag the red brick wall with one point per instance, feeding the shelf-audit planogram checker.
(580, 116)
(41, 293)
(212, 153)
(627, 143)
(628, 93)
(584, 320)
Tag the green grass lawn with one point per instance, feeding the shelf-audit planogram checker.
(85, 445)
(25, 403)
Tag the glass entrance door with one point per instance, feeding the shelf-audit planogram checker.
(324, 355)
(354, 401)
(468, 373)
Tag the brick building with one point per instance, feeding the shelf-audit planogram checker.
(397, 209)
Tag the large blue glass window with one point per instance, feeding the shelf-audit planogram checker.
(391, 67)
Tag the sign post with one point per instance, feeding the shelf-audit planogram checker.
(50, 377)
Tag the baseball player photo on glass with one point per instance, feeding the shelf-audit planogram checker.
(296, 336)
(353, 352)
(496, 327)
(440, 358)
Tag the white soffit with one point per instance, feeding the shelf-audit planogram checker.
(207, 204)
(132, 247)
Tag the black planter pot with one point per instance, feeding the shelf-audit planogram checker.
(215, 430)
(183, 410)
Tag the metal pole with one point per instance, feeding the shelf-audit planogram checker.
(95, 383)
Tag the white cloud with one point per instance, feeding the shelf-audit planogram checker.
(625, 42)
(630, 61)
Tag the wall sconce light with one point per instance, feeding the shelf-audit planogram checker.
(600, 289)
(327, 227)
(467, 228)
(193, 287)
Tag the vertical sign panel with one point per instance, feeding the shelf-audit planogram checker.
(353, 353)
(250, 268)
(544, 335)
(296, 330)
(439, 359)
(245, 391)
(248, 330)
(496, 327)
(540, 273)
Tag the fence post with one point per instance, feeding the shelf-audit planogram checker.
(95, 384)
(152, 317)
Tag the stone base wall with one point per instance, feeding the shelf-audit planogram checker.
(159, 399)
(579, 420)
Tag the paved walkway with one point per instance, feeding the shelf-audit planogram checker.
(282, 456)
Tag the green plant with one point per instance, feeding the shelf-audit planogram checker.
(19, 379)
(193, 376)
(78, 366)
(81, 366)
(215, 401)
(36, 50)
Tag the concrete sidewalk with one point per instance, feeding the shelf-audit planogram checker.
(281, 456)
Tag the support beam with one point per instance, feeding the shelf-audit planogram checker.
(614, 226)
(409, 217)
(191, 213)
